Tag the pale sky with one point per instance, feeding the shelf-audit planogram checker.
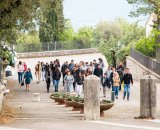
(90, 12)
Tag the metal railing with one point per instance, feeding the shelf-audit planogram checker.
(50, 46)
(145, 61)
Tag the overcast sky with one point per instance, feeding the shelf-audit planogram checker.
(90, 12)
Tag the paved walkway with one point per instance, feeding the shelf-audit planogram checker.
(47, 115)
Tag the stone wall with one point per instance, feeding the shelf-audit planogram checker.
(56, 53)
(138, 69)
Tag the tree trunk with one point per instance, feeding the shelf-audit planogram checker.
(158, 41)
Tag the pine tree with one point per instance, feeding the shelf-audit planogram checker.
(51, 22)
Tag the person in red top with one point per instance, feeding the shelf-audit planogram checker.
(25, 67)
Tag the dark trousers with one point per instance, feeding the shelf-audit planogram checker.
(74, 85)
(63, 74)
(48, 82)
(20, 74)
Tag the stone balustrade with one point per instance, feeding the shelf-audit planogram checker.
(56, 53)
(137, 69)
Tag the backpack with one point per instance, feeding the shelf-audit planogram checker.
(37, 67)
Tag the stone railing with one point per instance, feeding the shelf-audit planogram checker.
(56, 53)
(140, 65)
(145, 61)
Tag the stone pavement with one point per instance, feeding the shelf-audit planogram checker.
(47, 115)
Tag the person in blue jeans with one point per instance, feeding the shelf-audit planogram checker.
(116, 83)
(20, 70)
(127, 78)
(56, 78)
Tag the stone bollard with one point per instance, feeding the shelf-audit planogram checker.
(36, 97)
(148, 97)
(92, 98)
(113, 96)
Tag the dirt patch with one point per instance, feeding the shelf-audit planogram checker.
(7, 114)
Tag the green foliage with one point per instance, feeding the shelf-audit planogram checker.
(115, 38)
(109, 48)
(144, 7)
(106, 101)
(51, 22)
(28, 42)
(84, 37)
(147, 45)
(18, 15)
(77, 99)
(68, 32)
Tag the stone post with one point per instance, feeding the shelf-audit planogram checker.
(112, 96)
(36, 97)
(92, 98)
(148, 97)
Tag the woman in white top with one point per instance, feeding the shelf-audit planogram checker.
(20, 70)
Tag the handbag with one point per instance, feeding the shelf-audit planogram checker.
(22, 83)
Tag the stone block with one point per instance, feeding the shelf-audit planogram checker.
(36, 97)
(92, 98)
(148, 97)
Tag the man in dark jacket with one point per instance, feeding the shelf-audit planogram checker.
(98, 72)
(127, 78)
(111, 76)
(64, 68)
(56, 78)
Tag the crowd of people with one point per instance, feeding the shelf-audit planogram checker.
(73, 75)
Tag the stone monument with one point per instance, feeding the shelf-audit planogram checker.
(148, 97)
(92, 98)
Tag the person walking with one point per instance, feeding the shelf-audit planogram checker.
(79, 84)
(64, 69)
(38, 71)
(90, 68)
(74, 73)
(47, 77)
(116, 83)
(101, 63)
(28, 77)
(127, 78)
(111, 76)
(20, 70)
(56, 78)
(99, 73)
(24, 67)
(43, 71)
(120, 70)
(107, 81)
(69, 79)
(71, 65)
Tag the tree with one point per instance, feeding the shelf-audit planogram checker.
(28, 42)
(84, 37)
(116, 37)
(146, 46)
(147, 7)
(18, 15)
(51, 22)
(68, 32)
